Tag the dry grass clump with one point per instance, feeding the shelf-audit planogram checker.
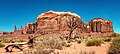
(5, 41)
(2, 45)
(107, 39)
(77, 39)
(45, 47)
(113, 35)
(93, 42)
(115, 46)
(66, 44)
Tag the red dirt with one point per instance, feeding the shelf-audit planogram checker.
(74, 49)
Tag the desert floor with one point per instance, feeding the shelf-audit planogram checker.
(75, 48)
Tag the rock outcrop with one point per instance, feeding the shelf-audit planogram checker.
(57, 21)
(19, 31)
(101, 25)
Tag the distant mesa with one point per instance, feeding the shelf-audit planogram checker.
(5, 33)
(52, 21)
(101, 25)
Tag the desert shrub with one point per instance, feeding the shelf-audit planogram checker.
(6, 41)
(113, 35)
(68, 45)
(85, 52)
(107, 39)
(45, 47)
(115, 46)
(2, 45)
(39, 39)
(78, 41)
(74, 40)
(93, 42)
(69, 41)
(21, 40)
(76, 37)
(65, 44)
(12, 41)
(53, 43)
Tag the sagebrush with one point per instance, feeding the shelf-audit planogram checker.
(115, 46)
(93, 42)
(45, 47)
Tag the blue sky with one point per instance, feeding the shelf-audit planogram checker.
(19, 12)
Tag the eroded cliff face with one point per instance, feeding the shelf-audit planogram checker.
(57, 21)
(101, 25)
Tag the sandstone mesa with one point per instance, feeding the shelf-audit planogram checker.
(52, 22)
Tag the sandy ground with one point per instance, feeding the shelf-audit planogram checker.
(74, 49)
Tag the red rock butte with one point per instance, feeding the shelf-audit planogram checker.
(53, 22)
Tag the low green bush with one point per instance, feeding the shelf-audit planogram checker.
(93, 42)
(115, 46)
(113, 35)
(107, 39)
